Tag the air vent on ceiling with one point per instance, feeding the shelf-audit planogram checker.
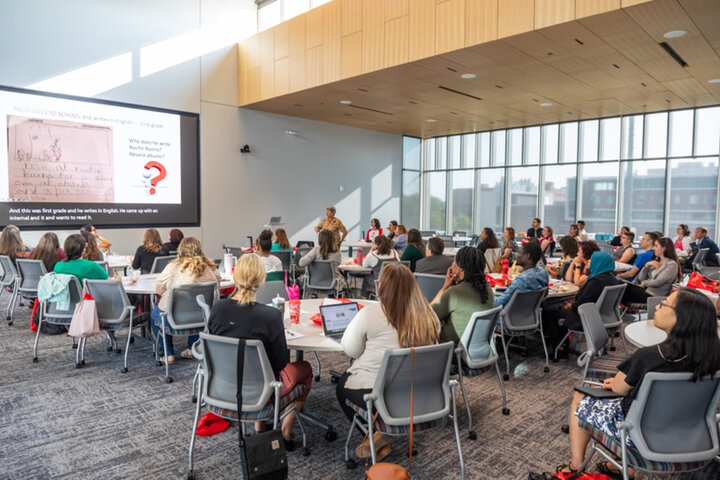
(671, 51)
(458, 92)
(371, 110)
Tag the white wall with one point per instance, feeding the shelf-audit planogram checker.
(182, 55)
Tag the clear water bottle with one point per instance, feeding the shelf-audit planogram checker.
(279, 303)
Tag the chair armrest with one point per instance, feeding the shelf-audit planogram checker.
(717, 418)
(197, 354)
(276, 384)
(625, 425)
(370, 396)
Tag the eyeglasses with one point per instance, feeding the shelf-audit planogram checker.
(663, 304)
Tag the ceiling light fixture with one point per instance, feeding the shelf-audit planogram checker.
(468, 76)
(431, 120)
(714, 80)
(674, 34)
(546, 104)
(346, 102)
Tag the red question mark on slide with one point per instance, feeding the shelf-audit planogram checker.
(160, 176)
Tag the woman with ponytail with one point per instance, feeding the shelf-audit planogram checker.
(242, 317)
(465, 291)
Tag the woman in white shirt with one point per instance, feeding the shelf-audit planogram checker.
(382, 249)
(402, 318)
(682, 242)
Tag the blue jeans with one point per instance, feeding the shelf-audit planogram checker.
(156, 324)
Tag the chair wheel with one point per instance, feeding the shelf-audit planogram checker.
(77, 365)
(10, 322)
(506, 377)
(472, 435)
(612, 349)
(158, 363)
(330, 435)
(546, 369)
(194, 399)
(75, 345)
(350, 464)
(565, 429)
(190, 475)
(123, 370)
(555, 360)
(132, 339)
(168, 379)
(35, 359)
(506, 411)
(82, 362)
(306, 452)
(317, 378)
(118, 350)
(8, 319)
(109, 349)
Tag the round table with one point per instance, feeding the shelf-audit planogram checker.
(145, 284)
(559, 288)
(366, 246)
(644, 334)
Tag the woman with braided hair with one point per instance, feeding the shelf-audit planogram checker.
(465, 291)
(242, 317)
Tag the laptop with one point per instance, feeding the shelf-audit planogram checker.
(275, 221)
(336, 318)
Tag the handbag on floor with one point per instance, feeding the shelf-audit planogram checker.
(263, 455)
(84, 322)
(292, 289)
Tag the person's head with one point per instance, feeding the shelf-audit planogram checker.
(569, 246)
(683, 230)
(588, 248)
(326, 242)
(689, 318)
(175, 236)
(581, 224)
(281, 238)
(152, 240)
(10, 241)
(91, 252)
(191, 258)
(401, 229)
(375, 223)
(529, 254)
(574, 230)
(536, 223)
(392, 226)
(405, 307)
(601, 262)
(384, 245)
(664, 247)
(700, 233)
(490, 239)
(88, 230)
(648, 240)
(248, 276)
(436, 246)
(469, 266)
(47, 250)
(547, 231)
(509, 234)
(264, 242)
(74, 245)
(414, 237)
(627, 238)
(330, 211)
(624, 230)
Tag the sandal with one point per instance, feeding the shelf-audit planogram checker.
(171, 360)
(604, 468)
(565, 468)
(380, 441)
(382, 452)
(187, 353)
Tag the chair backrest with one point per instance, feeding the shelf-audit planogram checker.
(594, 328)
(427, 233)
(305, 243)
(669, 408)
(104, 265)
(8, 270)
(75, 292)
(377, 269)
(522, 312)
(269, 290)
(447, 240)
(29, 273)
(220, 366)
(321, 274)
(652, 303)
(111, 301)
(237, 252)
(477, 339)
(183, 309)
(491, 256)
(285, 257)
(301, 252)
(431, 390)
(474, 241)
(159, 263)
(609, 303)
(430, 284)
(459, 233)
(710, 272)
(699, 260)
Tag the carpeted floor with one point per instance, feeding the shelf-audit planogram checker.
(57, 421)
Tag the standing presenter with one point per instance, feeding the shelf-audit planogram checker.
(332, 223)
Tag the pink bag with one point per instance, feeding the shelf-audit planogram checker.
(293, 290)
(84, 321)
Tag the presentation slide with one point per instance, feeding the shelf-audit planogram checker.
(69, 161)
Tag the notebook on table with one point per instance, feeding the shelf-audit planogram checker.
(336, 318)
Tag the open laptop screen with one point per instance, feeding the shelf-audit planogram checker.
(336, 318)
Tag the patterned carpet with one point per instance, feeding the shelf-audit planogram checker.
(57, 421)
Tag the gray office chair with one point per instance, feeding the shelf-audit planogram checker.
(427, 233)
(477, 350)
(652, 304)
(699, 260)
(159, 263)
(270, 290)
(114, 313)
(433, 396)
(430, 284)
(28, 276)
(447, 240)
(295, 268)
(7, 281)
(710, 272)
(321, 278)
(50, 313)
(184, 315)
(285, 257)
(597, 365)
(377, 272)
(609, 307)
(218, 391)
(521, 318)
(673, 424)
(104, 265)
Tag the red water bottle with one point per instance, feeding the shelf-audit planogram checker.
(505, 267)
(359, 258)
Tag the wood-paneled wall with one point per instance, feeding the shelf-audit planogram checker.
(346, 38)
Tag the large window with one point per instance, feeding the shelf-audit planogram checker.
(523, 185)
(461, 200)
(598, 185)
(643, 192)
(693, 194)
(435, 200)
(272, 12)
(558, 197)
(490, 199)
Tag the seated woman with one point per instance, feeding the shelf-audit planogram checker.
(174, 238)
(273, 265)
(625, 253)
(683, 240)
(615, 242)
(92, 252)
(574, 232)
(151, 247)
(601, 276)
(242, 317)
(415, 249)
(326, 249)
(374, 231)
(103, 243)
(381, 250)
(657, 276)
(48, 250)
(464, 292)
(547, 242)
(401, 318)
(570, 249)
(579, 269)
(488, 239)
(692, 345)
(281, 241)
(510, 246)
(11, 244)
(190, 266)
(73, 264)
(400, 240)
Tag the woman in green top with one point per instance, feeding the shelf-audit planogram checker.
(75, 265)
(281, 240)
(465, 292)
(415, 249)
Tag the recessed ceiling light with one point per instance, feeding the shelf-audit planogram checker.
(546, 104)
(674, 34)
(714, 80)
(468, 76)
(431, 120)
(346, 102)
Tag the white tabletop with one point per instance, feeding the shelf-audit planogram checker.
(450, 252)
(559, 288)
(619, 266)
(145, 284)
(119, 261)
(644, 334)
(356, 244)
(313, 338)
(455, 239)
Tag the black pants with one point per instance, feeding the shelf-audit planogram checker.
(355, 396)
(553, 330)
(635, 294)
